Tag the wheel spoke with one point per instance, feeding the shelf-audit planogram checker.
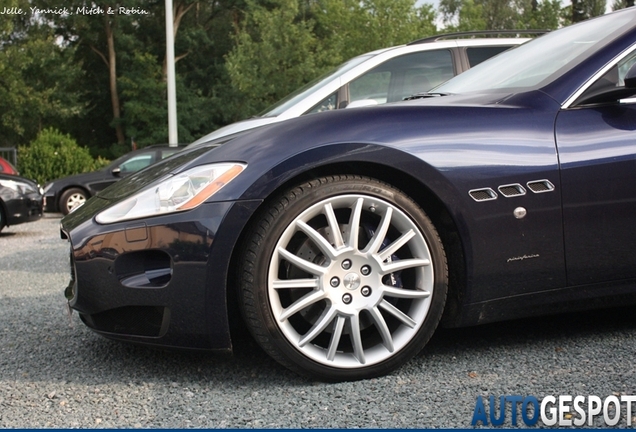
(338, 242)
(395, 266)
(295, 283)
(300, 304)
(380, 324)
(321, 324)
(376, 242)
(396, 245)
(302, 264)
(354, 224)
(318, 239)
(356, 339)
(404, 293)
(404, 318)
(335, 338)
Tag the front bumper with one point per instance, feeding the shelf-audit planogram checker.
(50, 203)
(157, 281)
(26, 208)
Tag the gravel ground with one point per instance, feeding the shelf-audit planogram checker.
(57, 373)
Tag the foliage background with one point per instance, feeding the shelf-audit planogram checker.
(100, 79)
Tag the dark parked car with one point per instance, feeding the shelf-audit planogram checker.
(66, 194)
(20, 200)
(7, 168)
(346, 237)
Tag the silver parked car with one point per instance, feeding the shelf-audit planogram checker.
(386, 75)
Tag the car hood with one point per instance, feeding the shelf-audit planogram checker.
(237, 127)
(13, 177)
(428, 125)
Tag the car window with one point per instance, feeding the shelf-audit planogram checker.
(312, 87)
(613, 78)
(403, 76)
(553, 54)
(477, 55)
(136, 163)
(168, 152)
(372, 85)
(327, 104)
(623, 66)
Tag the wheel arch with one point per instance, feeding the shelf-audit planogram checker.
(416, 188)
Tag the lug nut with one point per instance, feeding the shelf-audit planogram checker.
(346, 264)
(346, 299)
(366, 291)
(334, 282)
(365, 270)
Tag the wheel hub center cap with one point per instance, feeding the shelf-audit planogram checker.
(351, 281)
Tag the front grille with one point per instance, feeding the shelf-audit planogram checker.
(147, 321)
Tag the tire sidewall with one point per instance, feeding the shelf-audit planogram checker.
(63, 204)
(282, 213)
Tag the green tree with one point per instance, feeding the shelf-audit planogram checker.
(347, 28)
(275, 53)
(124, 87)
(622, 4)
(286, 43)
(37, 85)
(585, 9)
(53, 155)
(465, 15)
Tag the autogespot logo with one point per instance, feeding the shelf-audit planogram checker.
(564, 410)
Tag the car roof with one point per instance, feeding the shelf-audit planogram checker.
(480, 35)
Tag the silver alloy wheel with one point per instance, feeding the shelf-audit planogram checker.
(74, 201)
(350, 281)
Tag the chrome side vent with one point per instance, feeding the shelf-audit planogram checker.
(485, 194)
(540, 186)
(512, 190)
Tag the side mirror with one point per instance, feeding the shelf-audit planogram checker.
(362, 103)
(116, 171)
(630, 77)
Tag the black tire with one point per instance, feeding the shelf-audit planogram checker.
(72, 199)
(346, 306)
(3, 221)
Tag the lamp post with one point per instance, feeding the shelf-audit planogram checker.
(173, 137)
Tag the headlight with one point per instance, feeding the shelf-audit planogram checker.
(183, 191)
(19, 187)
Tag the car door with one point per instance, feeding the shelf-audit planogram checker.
(597, 153)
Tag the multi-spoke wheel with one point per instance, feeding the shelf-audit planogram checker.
(72, 199)
(343, 278)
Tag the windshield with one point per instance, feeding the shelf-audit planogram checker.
(533, 64)
(315, 85)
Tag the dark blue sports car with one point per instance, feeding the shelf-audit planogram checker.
(346, 237)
